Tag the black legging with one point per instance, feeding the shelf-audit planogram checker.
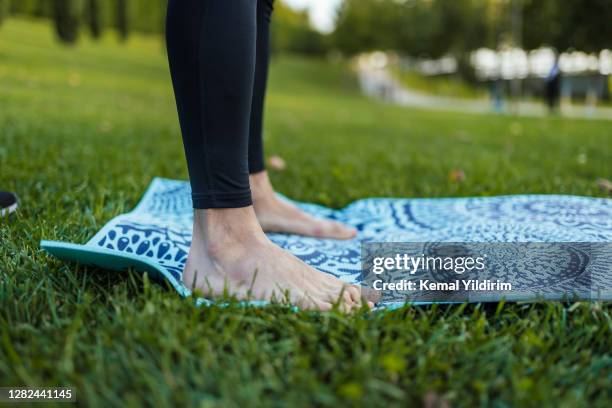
(218, 52)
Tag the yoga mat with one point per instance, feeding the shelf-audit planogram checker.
(156, 235)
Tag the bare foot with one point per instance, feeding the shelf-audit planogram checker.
(276, 215)
(231, 254)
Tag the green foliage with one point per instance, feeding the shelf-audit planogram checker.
(437, 27)
(417, 29)
(83, 132)
(355, 29)
(462, 26)
(291, 32)
(124, 16)
(67, 17)
(414, 27)
(580, 24)
(428, 28)
(36, 8)
(148, 16)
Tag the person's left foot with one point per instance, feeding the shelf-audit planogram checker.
(8, 203)
(277, 215)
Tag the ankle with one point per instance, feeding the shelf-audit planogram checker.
(261, 187)
(218, 230)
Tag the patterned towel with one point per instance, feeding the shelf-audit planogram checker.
(155, 237)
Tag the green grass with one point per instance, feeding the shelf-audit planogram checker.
(438, 85)
(83, 131)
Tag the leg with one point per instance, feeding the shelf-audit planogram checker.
(211, 50)
(256, 153)
(212, 72)
(274, 214)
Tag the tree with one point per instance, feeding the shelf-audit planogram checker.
(430, 28)
(579, 24)
(94, 18)
(122, 19)
(151, 15)
(462, 28)
(37, 8)
(67, 17)
(364, 25)
(418, 29)
(291, 32)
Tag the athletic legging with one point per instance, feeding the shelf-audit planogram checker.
(218, 52)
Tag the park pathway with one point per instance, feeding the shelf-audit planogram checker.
(381, 84)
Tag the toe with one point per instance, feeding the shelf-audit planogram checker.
(341, 231)
(333, 230)
(347, 298)
(355, 293)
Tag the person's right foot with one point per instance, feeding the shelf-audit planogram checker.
(8, 203)
(231, 254)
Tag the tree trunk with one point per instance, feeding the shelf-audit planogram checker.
(67, 16)
(94, 18)
(122, 19)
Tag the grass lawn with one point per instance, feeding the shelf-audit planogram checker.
(84, 130)
(438, 85)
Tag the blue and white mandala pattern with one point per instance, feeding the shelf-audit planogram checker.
(159, 228)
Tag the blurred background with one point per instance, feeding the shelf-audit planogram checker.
(422, 98)
(518, 56)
